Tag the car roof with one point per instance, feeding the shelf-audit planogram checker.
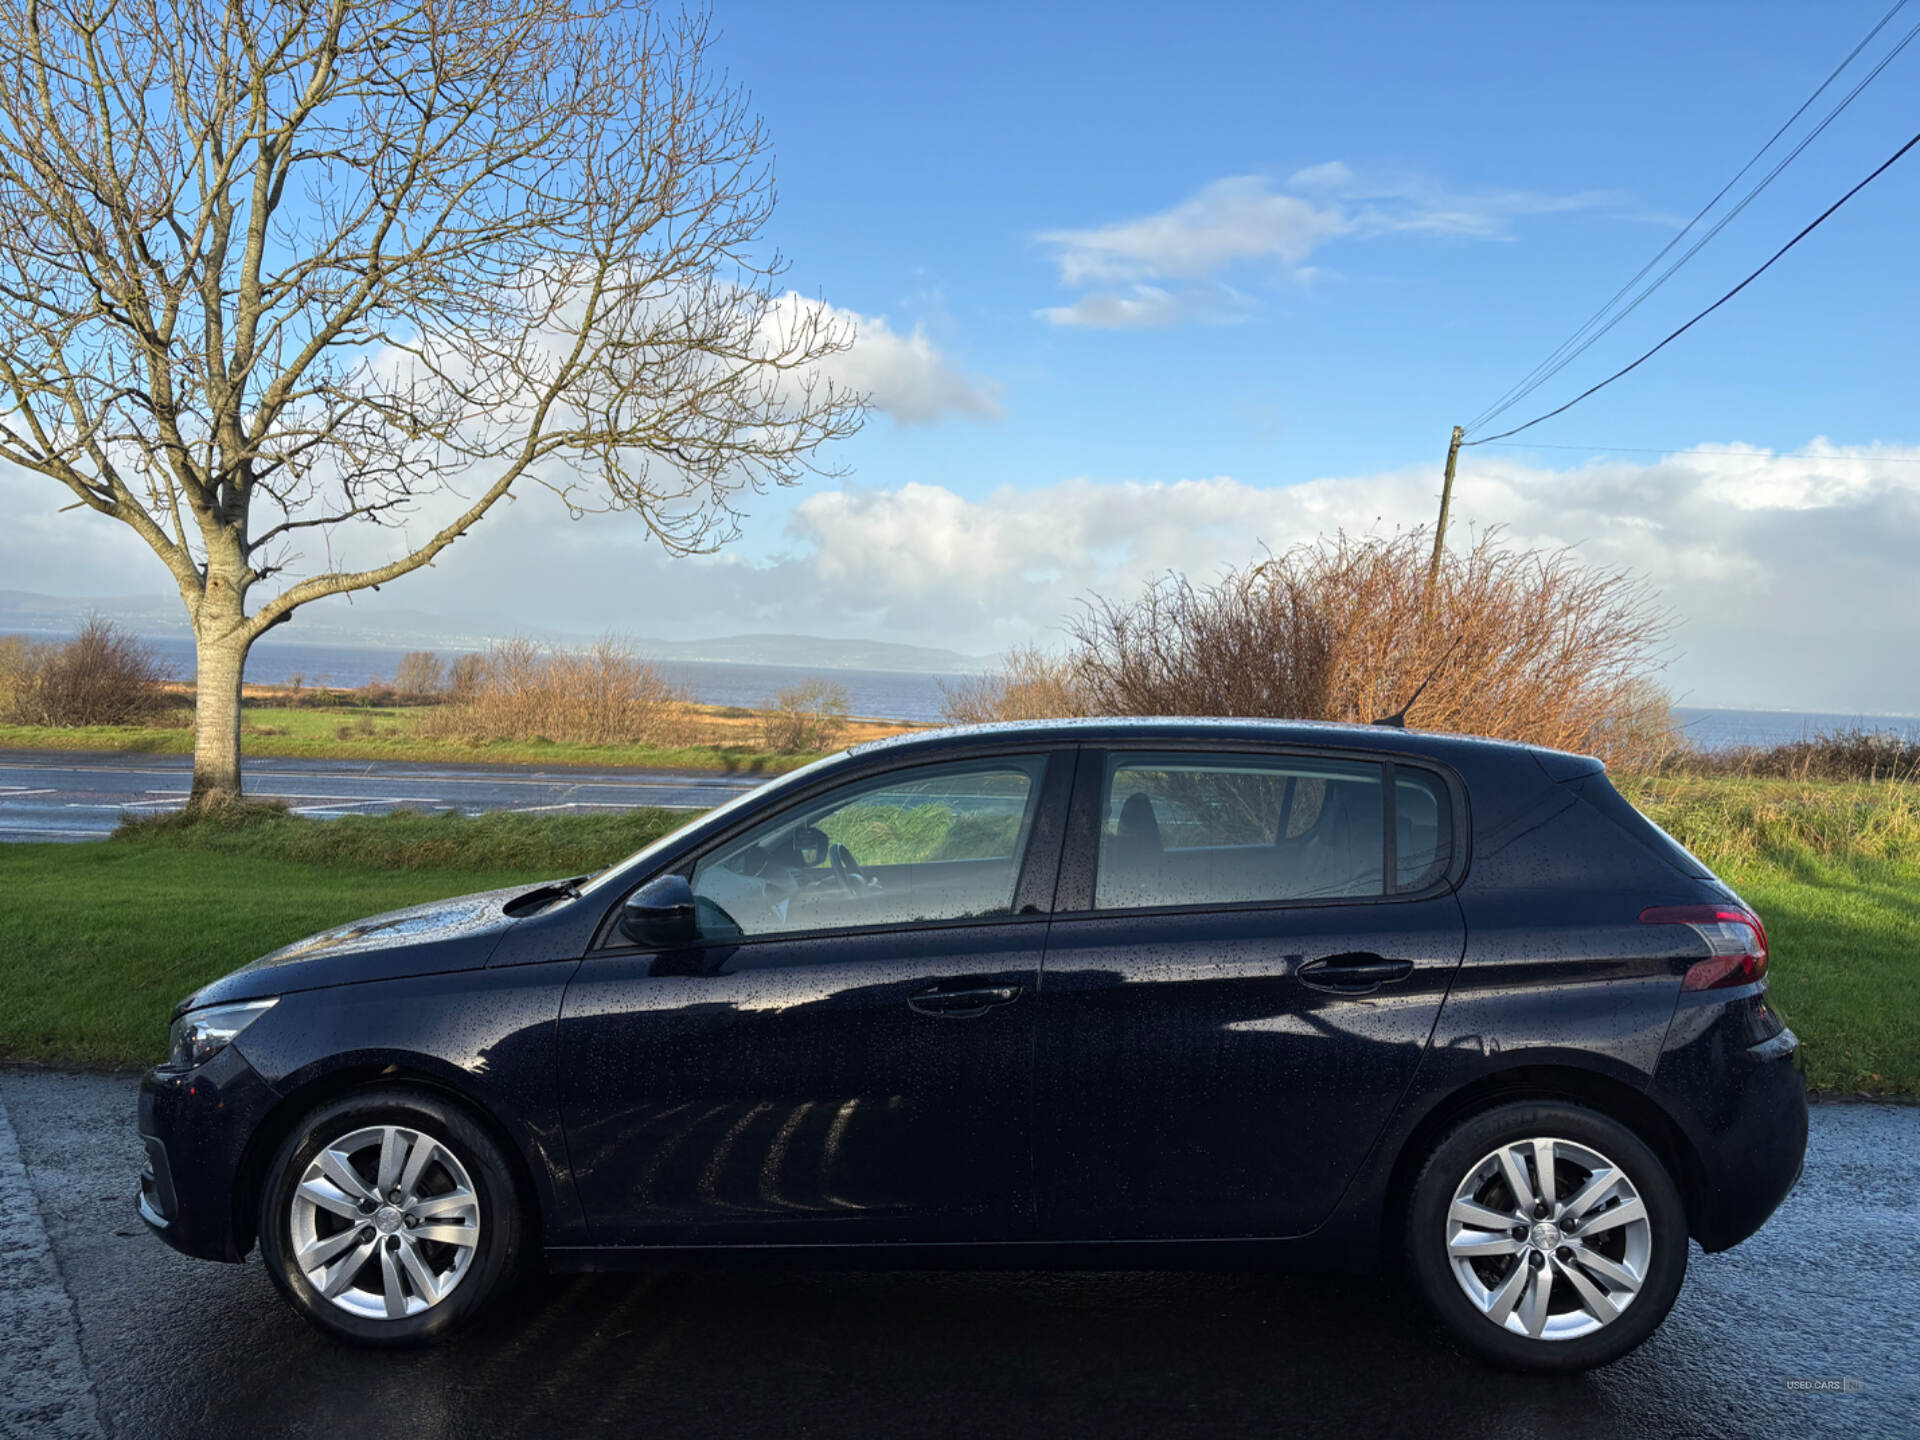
(1133, 730)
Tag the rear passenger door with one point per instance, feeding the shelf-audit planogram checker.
(1248, 955)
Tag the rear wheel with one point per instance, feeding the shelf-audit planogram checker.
(389, 1218)
(1546, 1236)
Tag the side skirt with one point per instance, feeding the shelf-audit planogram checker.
(1304, 1253)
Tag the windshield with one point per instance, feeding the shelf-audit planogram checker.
(637, 863)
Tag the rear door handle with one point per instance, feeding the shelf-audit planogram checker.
(961, 1004)
(1356, 974)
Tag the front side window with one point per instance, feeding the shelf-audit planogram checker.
(938, 842)
(1184, 829)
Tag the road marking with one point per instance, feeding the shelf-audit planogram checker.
(355, 805)
(546, 778)
(324, 797)
(10, 792)
(589, 805)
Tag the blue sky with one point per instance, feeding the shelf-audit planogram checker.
(1333, 232)
(924, 149)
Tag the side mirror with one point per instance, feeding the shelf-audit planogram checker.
(659, 915)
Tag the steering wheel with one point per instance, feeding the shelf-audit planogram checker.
(855, 881)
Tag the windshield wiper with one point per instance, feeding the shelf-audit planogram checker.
(541, 896)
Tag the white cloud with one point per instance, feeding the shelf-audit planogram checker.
(1246, 220)
(1796, 576)
(1382, 204)
(1148, 307)
(906, 375)
(1239, 218)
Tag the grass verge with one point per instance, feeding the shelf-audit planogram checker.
(388, 734)
(97, 941)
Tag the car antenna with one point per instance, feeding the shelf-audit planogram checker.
(1398, 720)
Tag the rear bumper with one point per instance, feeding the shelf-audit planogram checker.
(194, 1125)
(1738, 1093)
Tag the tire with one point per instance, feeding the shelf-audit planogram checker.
(421, 1268)
(1604, 1294)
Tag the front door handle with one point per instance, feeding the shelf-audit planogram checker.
(961, 1004)
(1355, 974)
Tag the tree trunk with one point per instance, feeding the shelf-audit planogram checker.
(216, 716)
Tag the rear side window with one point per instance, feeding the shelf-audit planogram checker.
(1184, 829)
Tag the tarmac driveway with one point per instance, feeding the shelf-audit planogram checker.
(128, 1338)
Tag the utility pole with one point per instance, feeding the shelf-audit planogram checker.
(1446, 501)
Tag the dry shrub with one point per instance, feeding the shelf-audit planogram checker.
(14, 652)
(1526, 645)
(103, 676)
(420, 675)
(602, 694)
(805, 718)
(1870, 755)
(1030, 685)
(1262, 642)
(464, 677)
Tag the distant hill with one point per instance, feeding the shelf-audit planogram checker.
(160, 616)
(816, 651)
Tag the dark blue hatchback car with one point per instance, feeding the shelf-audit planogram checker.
(1111, 993)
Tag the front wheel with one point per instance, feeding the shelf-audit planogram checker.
(1546, 1236)
(389, 1218)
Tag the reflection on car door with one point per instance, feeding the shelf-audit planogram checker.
(1216, 1057)
(844, 1083)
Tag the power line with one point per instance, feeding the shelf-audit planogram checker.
(1580, 341)
(1687, 450)
(1519, 389)
(1554, 367)
(1812, 226)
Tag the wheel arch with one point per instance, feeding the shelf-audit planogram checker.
(1611, 1097)
(339, 1083)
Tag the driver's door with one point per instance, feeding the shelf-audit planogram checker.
(846, 1053)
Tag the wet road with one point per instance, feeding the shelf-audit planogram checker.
(56, 795)
(179, 1348)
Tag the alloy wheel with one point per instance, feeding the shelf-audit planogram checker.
(1549, 1238)
(384, 1222)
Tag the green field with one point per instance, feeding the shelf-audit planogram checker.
(390, 732)
(97, 941)
(1834, 871)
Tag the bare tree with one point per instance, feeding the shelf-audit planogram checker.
(273, 275)
(420, 673)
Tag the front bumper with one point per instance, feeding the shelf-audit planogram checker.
(195, 1125)
(1731, 1077)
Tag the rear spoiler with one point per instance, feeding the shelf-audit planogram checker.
(1563, 767)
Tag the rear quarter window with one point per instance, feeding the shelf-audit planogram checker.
(1423, 829)
(1598, 792)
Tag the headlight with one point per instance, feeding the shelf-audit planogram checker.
(199, 1035)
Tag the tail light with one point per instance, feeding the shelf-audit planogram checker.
(1736, 940)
